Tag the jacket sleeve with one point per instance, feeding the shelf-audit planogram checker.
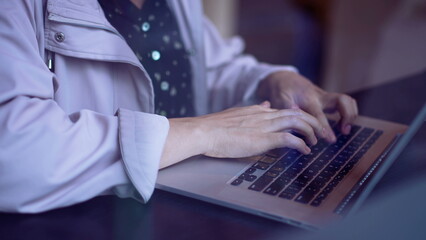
(51, 159)
(232, 77)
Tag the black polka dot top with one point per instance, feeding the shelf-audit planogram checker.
(153, 34)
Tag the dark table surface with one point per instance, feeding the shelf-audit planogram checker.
(170, 216)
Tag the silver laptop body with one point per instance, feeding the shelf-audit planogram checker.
(232, 182)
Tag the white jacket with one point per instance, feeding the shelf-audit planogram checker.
(88, 129)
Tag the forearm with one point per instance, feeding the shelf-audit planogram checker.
(185, 139)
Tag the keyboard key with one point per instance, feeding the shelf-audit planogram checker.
(287, 195)
(250, 178)
(336, 130)
(315, 150)
(335, 165)
(331, 169)
(261, 183)
(284, 162)
(344, 172)
(320, 163)
(366, 132)
(316, 202)
(293, 188)
(305, 197)
(306, 159)
(326, 156)
(330, 152)
(349, 166)
(277, 168)
(316, 167)
(255, 158)
(322, 196)
(261, 166)
(288, 160)
(237, 182)
(377, 134)
(300, 183)
(290, 174)
(342, 158)
(318, 182)
(357, 157)
(277, 186)
(295, 169)
(341, 174)
(304, 179)
(243, 176)
(250, 170)
(333, 183)
(247, 177)
(310, 171)
(328, 189)
(339, 177)
(311, 188)
(363, 150)
(278, 152)
(300, 163)
(268, 160)
(293, 154)
(326, 175)
(340, 161)
(352, 147)
(354, 129)
(272, 173)
(343, 139)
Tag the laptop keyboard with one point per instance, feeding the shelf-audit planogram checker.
(309, 179)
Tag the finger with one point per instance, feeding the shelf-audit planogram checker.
(311, 120)
(285, 139)
(315, 109)
(266, 104)
(248, 110)
(300, 121)
(348, 112)
(293, 123)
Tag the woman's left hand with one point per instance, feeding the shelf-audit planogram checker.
(291, 90)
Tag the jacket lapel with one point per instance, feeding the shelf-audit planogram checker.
(87, 32)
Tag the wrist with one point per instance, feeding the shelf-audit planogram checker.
(185, 139)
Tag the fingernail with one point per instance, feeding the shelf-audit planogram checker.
(265, 104)
(331, 136)
(347, 129)
(307, 150)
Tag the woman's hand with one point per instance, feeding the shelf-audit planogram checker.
(289, 90)
(240, 132)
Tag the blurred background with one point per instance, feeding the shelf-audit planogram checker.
(342, 45)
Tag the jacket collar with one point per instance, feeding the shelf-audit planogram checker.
(87, 11)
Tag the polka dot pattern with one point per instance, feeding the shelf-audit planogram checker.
(153, 34)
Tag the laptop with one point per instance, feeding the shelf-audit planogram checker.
(309, 191)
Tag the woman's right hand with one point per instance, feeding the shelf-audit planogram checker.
(240, 132)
